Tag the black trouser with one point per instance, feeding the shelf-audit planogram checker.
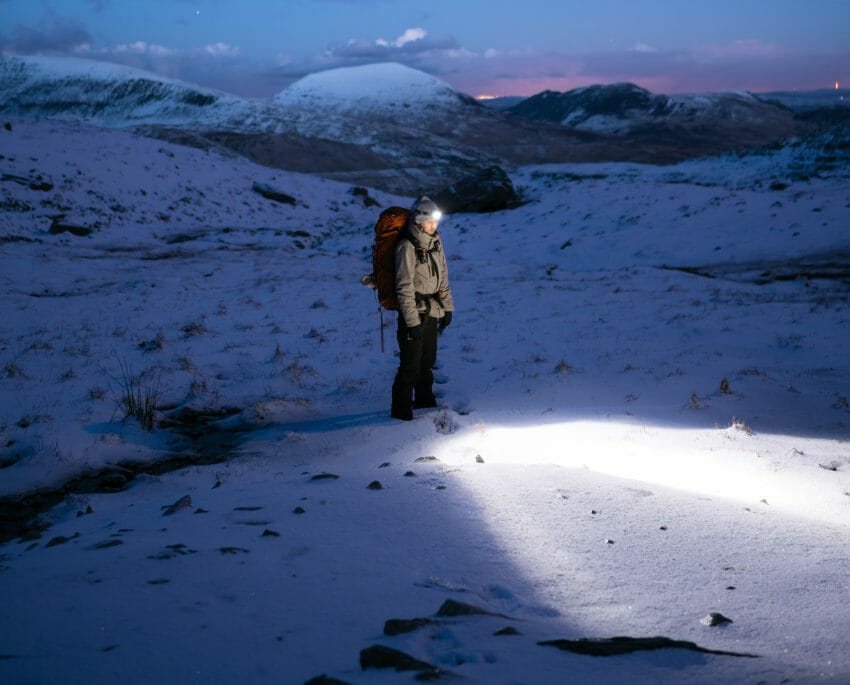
(415, 376)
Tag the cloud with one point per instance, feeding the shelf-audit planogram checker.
(413, 41)
(409, 36)
(222, 50)
(740, 65)
(644, 47)
(139, 48)
(415, 47)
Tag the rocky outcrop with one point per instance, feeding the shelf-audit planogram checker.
(490, 190)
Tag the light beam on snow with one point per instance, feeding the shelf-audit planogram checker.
(728, 462)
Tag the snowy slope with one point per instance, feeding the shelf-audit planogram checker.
(623, 108)
(118, 96)
(384, 124)
(387, 105)
(644, 418)
(385, 89)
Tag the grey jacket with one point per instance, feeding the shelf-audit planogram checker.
(426, 274)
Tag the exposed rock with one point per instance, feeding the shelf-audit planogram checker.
(375, 485)
(428, 458)
(299, 510)
(363, 194)
(269, 533)
(172, 551)
(57, 227)
(37, 183)
(325, 680)
(182, 503)
(272, 194)
(616, 646)
(325, 476)
(106, 544)
(508, 630)
(487, 191)
(714, 618)
(379, 656)
(398, 626)
(452, 607)
(61, 540)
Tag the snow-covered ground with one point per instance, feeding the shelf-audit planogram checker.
(640, 425)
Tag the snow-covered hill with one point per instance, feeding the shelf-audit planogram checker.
(118, 96)
(644, 421)
(396, 128)
(626, 108)
(385, 90)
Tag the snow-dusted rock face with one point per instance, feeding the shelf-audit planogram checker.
(624, 108)
(118, 96)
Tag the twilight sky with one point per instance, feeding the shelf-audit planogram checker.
(497, 47)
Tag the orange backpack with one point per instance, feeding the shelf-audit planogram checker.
(390, 224)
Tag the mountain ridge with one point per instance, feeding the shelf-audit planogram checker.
(395, 128)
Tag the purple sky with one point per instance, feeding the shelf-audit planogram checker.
(257, 47)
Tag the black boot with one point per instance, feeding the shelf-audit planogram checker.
(404, 414)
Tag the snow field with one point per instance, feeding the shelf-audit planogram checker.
(587, 378)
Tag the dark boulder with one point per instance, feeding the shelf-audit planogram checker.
(399, 626)
(490, 190)
(363, 195)
(325, 680)
(452, 608)
(272, 194)
(379, 656)
(57, 227)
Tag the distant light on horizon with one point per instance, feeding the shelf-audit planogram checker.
(836, 85)
(493, 97)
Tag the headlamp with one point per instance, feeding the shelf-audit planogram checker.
(436, 215)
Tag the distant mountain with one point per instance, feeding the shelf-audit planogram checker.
(117, 96)
(425, 132)
(396, 128)
(504, 102)
(625, 108)
(385, 89)
(808, 100)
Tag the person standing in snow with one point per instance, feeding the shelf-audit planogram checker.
(425, 307)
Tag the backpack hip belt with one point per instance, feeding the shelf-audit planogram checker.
(427, 298)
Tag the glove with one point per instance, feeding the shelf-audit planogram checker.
(445, 321)
(414, 332)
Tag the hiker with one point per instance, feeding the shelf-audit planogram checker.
(425, 308)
